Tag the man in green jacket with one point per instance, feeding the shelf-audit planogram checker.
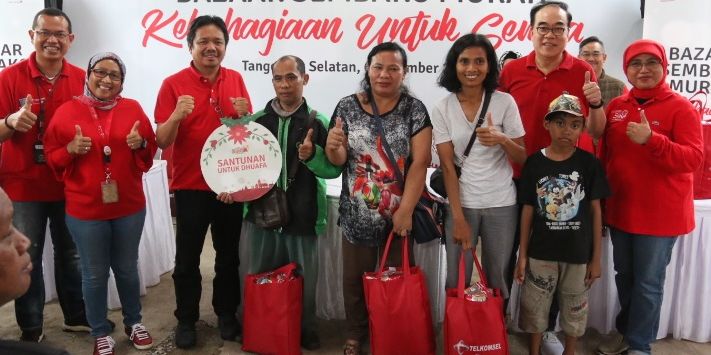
(301, 133)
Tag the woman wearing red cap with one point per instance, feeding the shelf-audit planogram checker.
(653, 145)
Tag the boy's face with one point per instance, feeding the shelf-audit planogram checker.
(565, 129)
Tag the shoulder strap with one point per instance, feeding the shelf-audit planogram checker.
(386, 146)
(479, 122)
(295, 163)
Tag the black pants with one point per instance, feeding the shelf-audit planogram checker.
(195, 211)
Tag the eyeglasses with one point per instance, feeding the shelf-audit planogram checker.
(60, 35)
(557, 31)
(595, 54)
(651, 64)
(99, 73)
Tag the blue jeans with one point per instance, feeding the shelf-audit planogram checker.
(103, 245)
(641, 265)
(31, 219)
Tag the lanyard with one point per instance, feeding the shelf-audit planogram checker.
(42, 102)
(104, 134)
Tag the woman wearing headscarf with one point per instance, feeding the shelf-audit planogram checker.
(372, 201)
(100, 144)
(652, 146)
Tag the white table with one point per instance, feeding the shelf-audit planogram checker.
(156, 253)
(686, 312)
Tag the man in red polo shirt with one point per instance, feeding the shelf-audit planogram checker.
(30, 92)
(538, 78)
(189, 107)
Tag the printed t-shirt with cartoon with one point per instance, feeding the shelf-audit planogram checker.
(560, 193)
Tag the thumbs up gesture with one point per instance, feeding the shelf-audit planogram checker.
(489, 135)
(79, 145)
(639, 132)
(306, 148)
(336, 136)
(23, 119)
(591, 90)
(134, 139)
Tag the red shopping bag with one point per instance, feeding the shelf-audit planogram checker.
(474, 321)
(272, 312)
(398, 308)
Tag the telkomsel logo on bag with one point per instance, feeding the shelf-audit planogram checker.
(462, 348)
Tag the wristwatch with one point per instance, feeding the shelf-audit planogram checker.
(596, 106)
(144, 144)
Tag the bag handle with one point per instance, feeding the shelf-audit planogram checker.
(462, 271)
(405, 255)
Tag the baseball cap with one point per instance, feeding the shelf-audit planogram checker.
(564, 103)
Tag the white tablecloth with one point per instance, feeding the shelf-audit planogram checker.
(156, 253)
(686, 312)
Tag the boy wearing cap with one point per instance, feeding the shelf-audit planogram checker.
(561, 227)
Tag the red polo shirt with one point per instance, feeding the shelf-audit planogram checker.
(534, 91)
(20, 176)
(83, 174)
(651, 184)
(195, 128)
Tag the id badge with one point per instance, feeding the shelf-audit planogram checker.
(38, 152)
(109, 191)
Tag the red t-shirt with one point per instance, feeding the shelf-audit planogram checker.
(196, 127)
(20, 176)
(651, 184)
(534, 91)
(83, 174)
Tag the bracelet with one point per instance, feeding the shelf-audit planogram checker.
(8, 124)
(594, 107)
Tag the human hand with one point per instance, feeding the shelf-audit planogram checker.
(520, 272)
(306, 148)
(23, 119)
(80, 145)
(592, 273)
(336, 137)
(225, 197)
(240, 105)
(184, 107)
(402, 222)
(639, 132)
(134, 139)
(490, 136)
(462, 233)
(592, 91)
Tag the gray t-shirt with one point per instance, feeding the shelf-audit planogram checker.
(486, 173)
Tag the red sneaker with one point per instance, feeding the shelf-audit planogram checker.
(104, 345)
(139, 336)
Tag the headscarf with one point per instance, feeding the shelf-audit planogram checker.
(647, 46)
(88, 98)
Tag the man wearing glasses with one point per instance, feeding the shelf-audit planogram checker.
(189, 107)
(538, 78)
(592, 50)
(31, 91)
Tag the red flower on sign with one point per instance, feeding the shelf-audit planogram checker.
(213, 143)
(239, 133)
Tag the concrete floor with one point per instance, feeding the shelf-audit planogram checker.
(158, 307)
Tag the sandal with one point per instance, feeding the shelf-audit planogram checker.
(351, 347)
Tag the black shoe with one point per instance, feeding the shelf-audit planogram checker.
(83, 326)
(185, 335)
(310, 341)
(230, 328)
(32, 336)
